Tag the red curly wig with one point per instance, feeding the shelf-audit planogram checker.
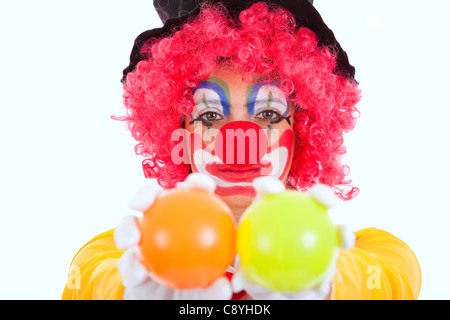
(264, 41)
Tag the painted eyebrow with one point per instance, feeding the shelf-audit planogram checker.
(252, 92)
(220, 92)
(266, 100)
(209, 101)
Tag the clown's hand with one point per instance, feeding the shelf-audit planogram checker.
(320, 292)
(138, 282)
(324, 195)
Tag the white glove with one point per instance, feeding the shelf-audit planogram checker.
(138, 282)
(324, 195)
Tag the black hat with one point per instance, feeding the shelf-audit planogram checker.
(174, 13)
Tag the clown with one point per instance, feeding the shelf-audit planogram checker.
(236, 91)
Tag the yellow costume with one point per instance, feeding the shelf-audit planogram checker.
(380, 266)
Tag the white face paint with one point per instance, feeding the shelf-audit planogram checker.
(277, 159)
(206, 100)
(268, 97)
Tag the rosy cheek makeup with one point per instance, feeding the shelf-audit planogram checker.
(239, 154)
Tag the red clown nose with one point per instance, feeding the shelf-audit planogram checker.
(241, 143)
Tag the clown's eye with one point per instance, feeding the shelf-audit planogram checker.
(268, 115)
(211, 116)
(208, 117)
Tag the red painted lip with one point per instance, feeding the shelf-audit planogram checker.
(236, 190)
(236, 173)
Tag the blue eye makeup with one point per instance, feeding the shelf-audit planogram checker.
(212, 94)
(266, 101)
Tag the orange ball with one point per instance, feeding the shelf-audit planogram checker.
(188, 238)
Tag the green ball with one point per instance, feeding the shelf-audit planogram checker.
(287, 242)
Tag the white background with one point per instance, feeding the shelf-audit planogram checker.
(67, 170)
